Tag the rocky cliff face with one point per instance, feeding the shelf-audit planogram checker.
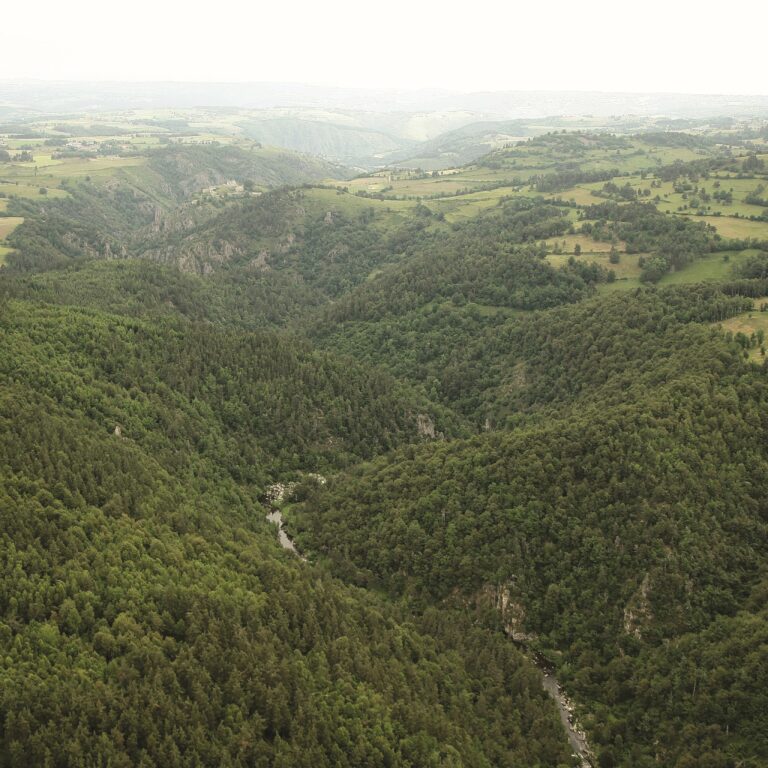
(426, 428)
(637, 613)
(197, 257)
(499, 597)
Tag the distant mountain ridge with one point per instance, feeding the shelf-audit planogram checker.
(49, 96)
(367, 129)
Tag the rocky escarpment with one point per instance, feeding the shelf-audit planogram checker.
(512, 612)
(197, 256)
(637, 612)
(426, 427)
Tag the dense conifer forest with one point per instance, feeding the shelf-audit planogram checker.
(518, 428)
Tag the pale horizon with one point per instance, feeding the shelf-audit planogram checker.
(368, 89)
(663, 49)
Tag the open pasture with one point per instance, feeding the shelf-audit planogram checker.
(41, 160)
(748, 323)
(704, 195)
(469, 205)
(520, 163)
(580, 194)
(626, 269)
(392, 185)
(8, 224)
(709, 268)
(713, 266)
(386, 213)
(99, 165)
(727, 226)
(29, 190)
(567, 244)
(591, 152)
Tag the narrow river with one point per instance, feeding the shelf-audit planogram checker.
(286, 542)
(576, 737)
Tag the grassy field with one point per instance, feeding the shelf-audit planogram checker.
(38, 174)
(386, 213)
(713, 266)
(43, 160)
(469, 205)
(403, 184)
(354, 204)
(456, 193)
(749, 323)
(723, 216)
(18, 189)
(39, 180)
(87, 167)
(739, 228)
(581, 195)
(627, 268)
(8, 224)
(567, 243)
(459, 192)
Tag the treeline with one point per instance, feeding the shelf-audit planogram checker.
(566, 178)
(188, 168)
(613, 495)
(257, 404)
(141, 210)
(141, 288)
(324, 246)
(92, 221)
(671, 241)
(492, 260)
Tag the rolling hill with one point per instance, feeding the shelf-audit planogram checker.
(515, 410)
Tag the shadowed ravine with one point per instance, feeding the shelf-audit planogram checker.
(576, 737)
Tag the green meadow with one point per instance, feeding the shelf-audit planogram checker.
(8, 224)
(713, 266)
(748, 323)
(730, 227)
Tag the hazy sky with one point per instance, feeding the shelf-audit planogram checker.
(672, 46)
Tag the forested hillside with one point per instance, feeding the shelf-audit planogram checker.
(134, 458)
(113, 212)
(622, 531)
(515, 413)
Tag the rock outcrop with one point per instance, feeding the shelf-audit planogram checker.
(637, 613)
(426, 427)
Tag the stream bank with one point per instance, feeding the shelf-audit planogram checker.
(275, 516)
(576, 736)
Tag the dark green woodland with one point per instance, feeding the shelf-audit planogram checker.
(540, 416)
